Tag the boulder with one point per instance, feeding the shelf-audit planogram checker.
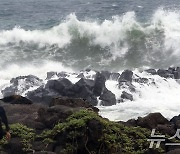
(126, 76)
(16, 99)
(127, 85)
(106, 74)
(60, 85)
(107, 98)
(141, 80)
(81, 75)
(62, 75)
(21, 84)
(126, 95)
(152, 120)
(83, 89)
(151, 71)
(165, 73)
(42, 95)
(99, 84)
(50, 75)
(176, 121)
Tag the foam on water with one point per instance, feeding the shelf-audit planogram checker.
(122, 41)
(163, 97)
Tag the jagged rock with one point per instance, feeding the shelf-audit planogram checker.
(165, 73)
(176, 121)
(83, 89)
(126, 76)
(151, 71)
(114, 76)
(42, 95)
(141, 80)
(60, 85)
(126, 95)
(81, 75)
(50, 75)
(126, 85)
(21, 84)
(108, 98)
(152, 120)
(16, 99)
(171, 70)
(99, 84)
(62, 74)
(106, 74)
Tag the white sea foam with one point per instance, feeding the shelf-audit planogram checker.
(162, 97)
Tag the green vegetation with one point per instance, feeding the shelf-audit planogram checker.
(86, 132)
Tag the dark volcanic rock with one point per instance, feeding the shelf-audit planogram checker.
(176, 121)
(151, 71)
(108, 98)
(126, 85)
(83, 89)
(81, 75)
(60, 85)
(126, 76)
(152, 120)
(165, 73)
(16, 99)
(50, 75)
(62, 74)
(126, 95)
(42, 95)
(24, 82)
(106, 74)
(141, 80)
(99, 84)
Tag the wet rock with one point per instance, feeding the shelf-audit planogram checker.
(165, 73)
(60, 85)
(50, 75)
(42, 95)
(114, 76)
(171, 70)
(83, 89)
(126, 95)
(106, 74)
(21, 84)
(81, 75)
(151, 71)
(108, 98)
(141, 80)
(62, 75)
(99, 84)
(126, 76)
(127, 85)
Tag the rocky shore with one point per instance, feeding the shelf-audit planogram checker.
(60, 116)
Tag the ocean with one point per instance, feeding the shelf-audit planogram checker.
(38, 36)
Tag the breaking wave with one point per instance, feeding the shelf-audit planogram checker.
(122, 42)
